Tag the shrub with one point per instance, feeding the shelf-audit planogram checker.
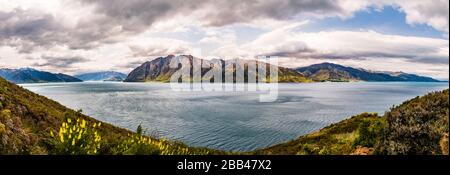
(369, 133)
(139, 144)
(2, 128)
(3, 89)
(77, 138)
(417, 126)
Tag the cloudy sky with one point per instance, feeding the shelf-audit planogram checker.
(75, 36)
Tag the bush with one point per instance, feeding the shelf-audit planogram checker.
(369, 133)
(77, 138)
(417, 126)
(137, 144)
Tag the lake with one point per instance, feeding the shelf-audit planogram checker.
(230, 120)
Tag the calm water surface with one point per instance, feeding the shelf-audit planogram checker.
(230, 120)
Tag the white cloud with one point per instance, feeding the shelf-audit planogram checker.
(349, 45)
(434, 13)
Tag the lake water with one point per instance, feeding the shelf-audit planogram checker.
(230, 120)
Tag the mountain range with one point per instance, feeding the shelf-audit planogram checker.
(102, 76)
(335, 72)
(29, 75)
(159, 70)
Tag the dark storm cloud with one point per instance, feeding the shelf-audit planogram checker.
(24, 29)
(137, 14)
(246, 11)
(28, 29)
(306, 52)
(59, 62)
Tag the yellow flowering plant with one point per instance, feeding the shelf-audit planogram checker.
(77, 137)
(138, 144)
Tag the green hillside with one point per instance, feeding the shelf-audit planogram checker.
(336, 139)
(418, 126)
(33, 124)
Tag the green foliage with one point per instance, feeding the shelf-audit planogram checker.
(336, 139)
(369, 133)
(27, 121)
(3, 89)
(13, 138)
(139, 144)
(2, 128)
(139, 130)
(417, 126)
(77, 138)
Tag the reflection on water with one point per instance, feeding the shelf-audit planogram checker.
(230, 120)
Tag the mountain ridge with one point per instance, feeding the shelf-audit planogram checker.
(30, 75)
(159, 70)
(102, 76)
(334, 72)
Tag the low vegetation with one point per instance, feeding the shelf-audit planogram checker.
(33, 124)
(336, 139)
(418, 126)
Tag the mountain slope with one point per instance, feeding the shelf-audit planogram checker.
(28, 75)
(418, 126)
(102, 76)
(335, 72)
(27, 119)
(159, 70)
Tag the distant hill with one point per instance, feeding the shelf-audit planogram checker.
(160, 71)
(28, 75)
(102, 76)
(335, 72)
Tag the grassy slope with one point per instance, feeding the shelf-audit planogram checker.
(337, 76)
(336, 139)
(26, 120)
(418, 126)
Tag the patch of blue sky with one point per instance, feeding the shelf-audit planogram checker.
(388, 20)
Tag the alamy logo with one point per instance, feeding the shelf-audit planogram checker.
(258, 75)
